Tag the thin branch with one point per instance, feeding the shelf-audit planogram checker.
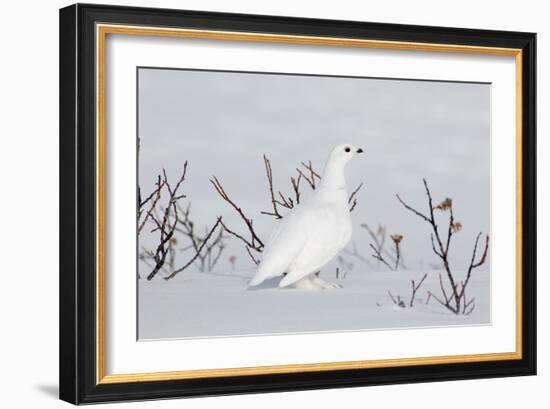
(166, 228)
(206, 260)
(429, 296)
(441, 302)
(381, 230)
(412, 210)
(218, 243)
(468, 312)
(311, 178)
(467, 304)
(379, 239)
(238, 236)
(392, 298)
(165, 236)
(309, 167)
(269, 173)
(197, 253)
(352, 200)
(415, 288)
(159, 185)
(378, 256)
(254, 259)
(289, 204)
(156, 194)
(296, 187)
(473, 264)
(248, 222)
(357, 255)
(442, 251)
(396, 238)
(434, 249)
(450, 229)
(442, 287)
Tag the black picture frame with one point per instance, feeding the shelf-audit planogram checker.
(78, 237)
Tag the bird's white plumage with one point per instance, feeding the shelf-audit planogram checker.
(314, 232)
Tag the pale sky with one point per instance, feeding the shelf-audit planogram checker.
(223, 123)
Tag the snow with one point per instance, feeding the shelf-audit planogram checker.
(200, 305)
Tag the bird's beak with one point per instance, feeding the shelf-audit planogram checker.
(359, 150)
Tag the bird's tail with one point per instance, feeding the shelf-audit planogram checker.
(256, 280)
(263, 273)
(269, 267)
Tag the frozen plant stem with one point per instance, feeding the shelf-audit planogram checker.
(397, 300)
(171, 219)
(163, 225)
(414, 289)
(212, 249)
(377, 251)
(197, 253)
(454, 300)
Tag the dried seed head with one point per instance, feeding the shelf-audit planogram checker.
(445, 204)
(397, 238)
(456, 227)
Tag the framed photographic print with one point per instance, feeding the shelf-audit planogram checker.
(257, 203)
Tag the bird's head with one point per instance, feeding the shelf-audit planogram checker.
(342, 154)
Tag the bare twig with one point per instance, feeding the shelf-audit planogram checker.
(396, 238)
(392, 297)
(238, 236)
(473, 263)
(274, 202)
(295, 181)
(456, 300)
(379, 241)
(379, 237)
(413, 210)
(197, 253)
(214, 248)
(255, 242)
(414, 289)
(442, 287)
(429, 297)
(377, 253)
(355, 253)
(172, 218)
(378, 256)
(166, 228)
(469, 311)
(311, 177)
(254, 259)
(343, 268)
(397, 300)
(154, 194)
(467, 304)
(352, 201)
(443, 303)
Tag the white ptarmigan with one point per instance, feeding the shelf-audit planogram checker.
(314, 232)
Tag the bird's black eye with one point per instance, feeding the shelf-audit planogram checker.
(348, 149)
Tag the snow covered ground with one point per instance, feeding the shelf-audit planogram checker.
(197, 304)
